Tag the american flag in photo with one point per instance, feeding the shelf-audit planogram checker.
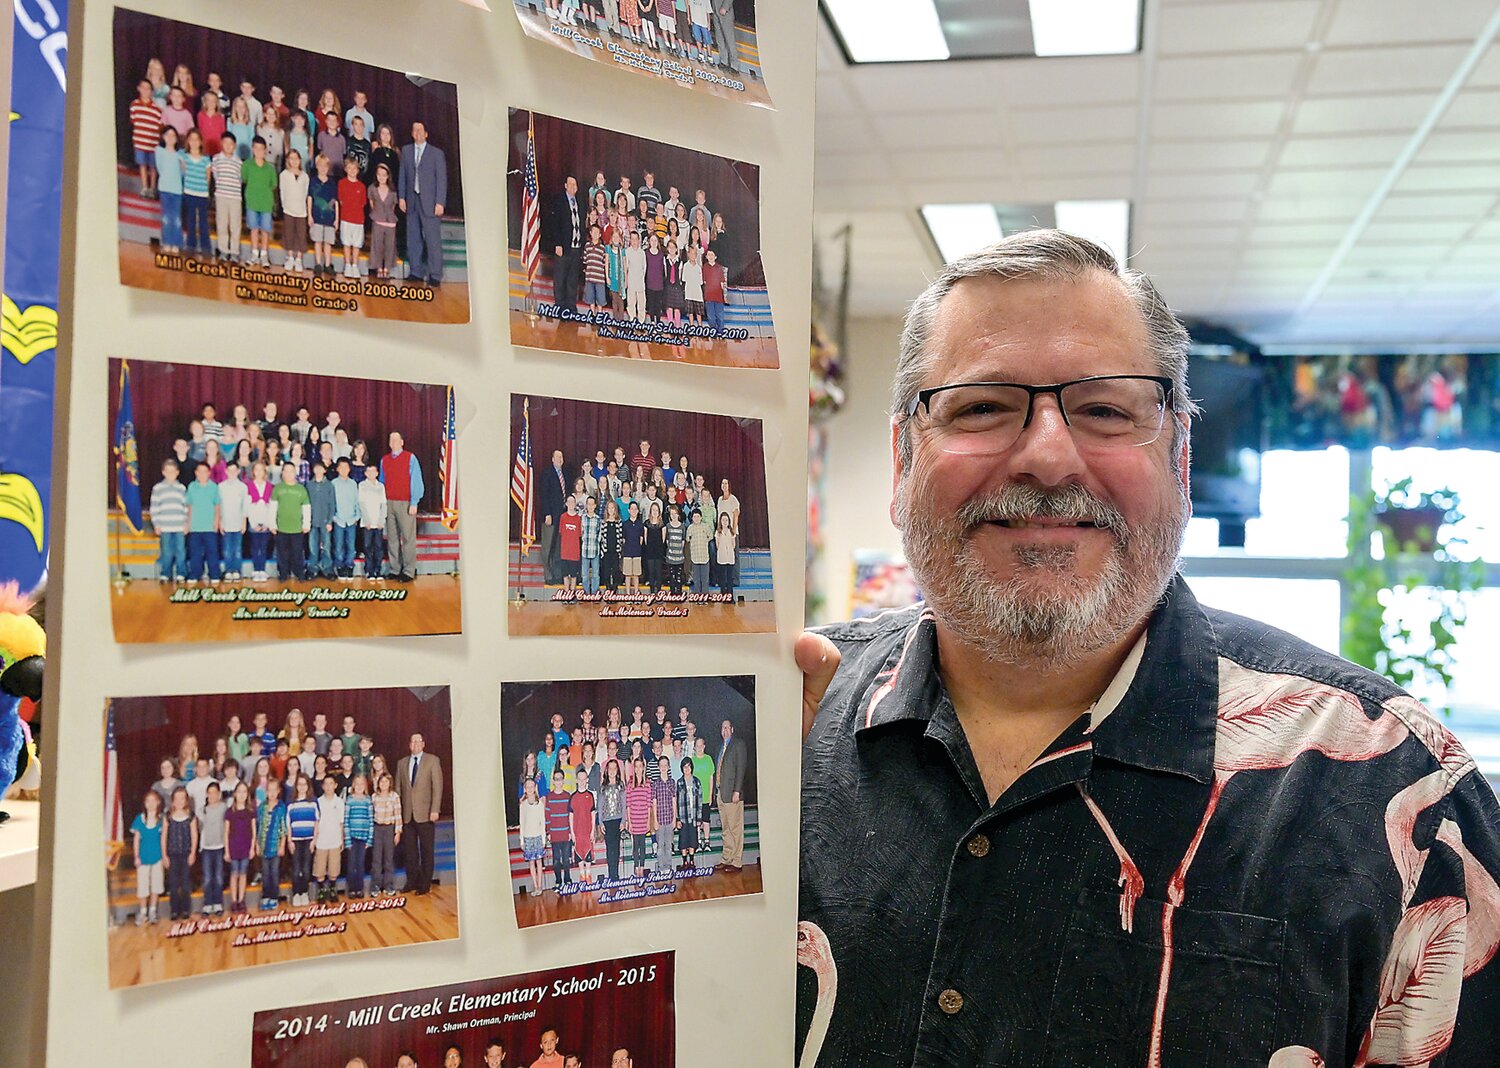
(448, 469)
(114, 816)
(531, 218)
(523, 482)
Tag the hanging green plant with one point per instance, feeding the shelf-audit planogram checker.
(1420, 553)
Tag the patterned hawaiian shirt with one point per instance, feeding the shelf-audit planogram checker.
(1248, 853)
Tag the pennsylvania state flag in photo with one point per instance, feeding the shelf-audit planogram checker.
(127, 465)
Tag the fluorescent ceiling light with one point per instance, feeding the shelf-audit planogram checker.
(1085, 27)
(959, 229)
(1104, 222)
(888, 31)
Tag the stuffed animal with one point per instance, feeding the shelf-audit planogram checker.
(23, 651)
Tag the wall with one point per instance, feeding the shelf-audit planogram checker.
(856, 512)
(485, 53)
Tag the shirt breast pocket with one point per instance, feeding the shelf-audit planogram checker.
(1222, 995)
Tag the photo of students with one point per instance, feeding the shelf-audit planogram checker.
(587, 836)
(616, 1025)
(210, 187)
(278, 840)
(277, 522)
(634, 276)
(709, 46)
(687, 558)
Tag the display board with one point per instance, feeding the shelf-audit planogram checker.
(347, 926)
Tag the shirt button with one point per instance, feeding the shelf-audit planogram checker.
(951, 1002)
(979, 846)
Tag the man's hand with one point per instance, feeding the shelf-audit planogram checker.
(438, 211)
(818, 659)
(401, 203)
(432, 817)
(557, 249)
(411, 509)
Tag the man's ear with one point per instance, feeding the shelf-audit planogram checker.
(1184, 459)
(897, 469)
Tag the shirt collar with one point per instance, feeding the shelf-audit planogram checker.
(1159, 712)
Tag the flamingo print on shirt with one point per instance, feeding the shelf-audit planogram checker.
(813, 951)
(1267, 721)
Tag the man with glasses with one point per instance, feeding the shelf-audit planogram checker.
(1060, 814)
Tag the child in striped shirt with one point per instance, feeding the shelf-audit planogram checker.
(595, 272)
(145, 135)
(227, 191)
(169, 516)
(195, 167)
(302, 822)
(359, 829)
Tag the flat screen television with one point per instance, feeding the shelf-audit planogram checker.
(1228, 438)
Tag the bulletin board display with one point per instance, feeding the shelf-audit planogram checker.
(211, 1013)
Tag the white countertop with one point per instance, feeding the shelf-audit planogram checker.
(18, 841)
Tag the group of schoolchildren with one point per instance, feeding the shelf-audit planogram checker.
(230, 491)
(326, 802)
(702, 31)
(646, 523)
(638, 781)
(652, 257)
(328, 171)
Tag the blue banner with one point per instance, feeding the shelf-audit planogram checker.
(28, 309)
(127, 462)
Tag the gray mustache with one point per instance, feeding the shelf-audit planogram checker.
(1018, 501)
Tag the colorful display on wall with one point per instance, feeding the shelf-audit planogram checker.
(710, 46)
(250, 504)
(28, 307)
(1444, 400)
(629, 520)
(618, 1013)
(622, 246)
(629, 793)
(256, 173)
(261, 828)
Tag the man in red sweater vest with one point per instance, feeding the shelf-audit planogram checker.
(401, 475)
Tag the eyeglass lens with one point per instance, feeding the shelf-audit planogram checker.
(1106, 413)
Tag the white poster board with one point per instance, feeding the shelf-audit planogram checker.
(734, 956)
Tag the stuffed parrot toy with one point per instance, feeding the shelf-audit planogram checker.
(23, 651)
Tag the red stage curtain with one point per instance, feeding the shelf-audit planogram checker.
(150, 729)
(566, 148)
(167, 396)
(717, 446)
(591, 1025)
(527, 708)
(394, 99)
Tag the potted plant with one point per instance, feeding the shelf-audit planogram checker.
(1411, 520)
(1374, 637)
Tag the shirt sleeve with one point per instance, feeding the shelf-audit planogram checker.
(1438, 996)
(417, 488)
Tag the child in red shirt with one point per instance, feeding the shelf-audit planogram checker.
(570, 544)
(352, 201)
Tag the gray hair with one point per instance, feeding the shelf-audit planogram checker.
(1045, 254)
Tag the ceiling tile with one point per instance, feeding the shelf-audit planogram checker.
(1101, 158)
(1238, 119)
(990, 165)
(1267, 24)
(1226, 184)
(1069, 80)
(851, 168)
(1248, 76)
(1470, 206)
(845, 133)
(1043, 126)
(1473, 109)
(1417, 230)
(1310, 209)
(1200, 155)
(1454, 147)
(1180, 210)
(912, 134)
(1297, 233)
(1361, 114)
(1346, 182)
(834, 97)
(1366, 150)
(905, 88)
(1384, 69)
(1449, 176)
(1379, 22)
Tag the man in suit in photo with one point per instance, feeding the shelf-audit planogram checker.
(422, 189)
(730, 770)
(553, 491)
(724, 34)
(419, 783)
(568, 225)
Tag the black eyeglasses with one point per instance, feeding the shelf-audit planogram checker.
(1107, 411)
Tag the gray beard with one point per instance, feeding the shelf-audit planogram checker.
(1022, 622)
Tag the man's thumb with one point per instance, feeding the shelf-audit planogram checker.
(818, 659)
